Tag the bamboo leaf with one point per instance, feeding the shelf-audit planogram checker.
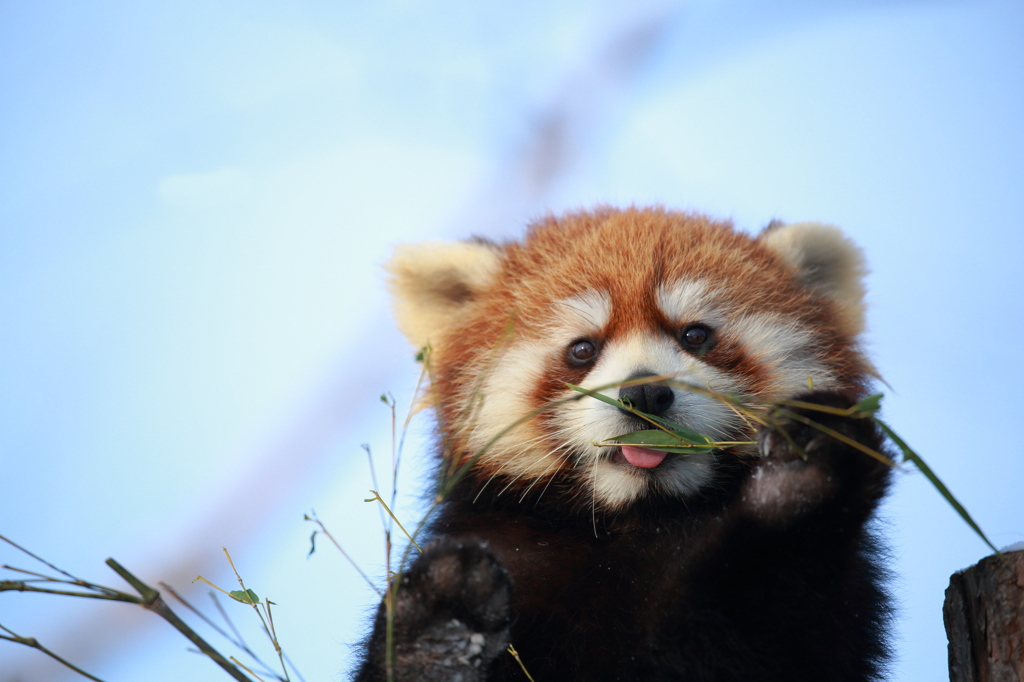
(909, 454)
(664, 441)
(244, 596)
(871, 404)
(680, 431)
(594, 394)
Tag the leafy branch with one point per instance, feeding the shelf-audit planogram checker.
(148, 598)
(66, 584)
(262, 609)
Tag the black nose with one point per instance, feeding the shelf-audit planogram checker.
(650, 398)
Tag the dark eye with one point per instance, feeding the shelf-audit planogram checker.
(696, 338)
(582, 351)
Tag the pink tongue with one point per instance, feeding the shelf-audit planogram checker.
(642, 457)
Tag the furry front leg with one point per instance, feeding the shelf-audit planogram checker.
(805, 469)
(451, 617)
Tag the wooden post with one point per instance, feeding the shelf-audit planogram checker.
(984, 618)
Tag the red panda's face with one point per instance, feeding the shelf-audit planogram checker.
(600, 299)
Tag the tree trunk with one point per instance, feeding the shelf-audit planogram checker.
(984, 618)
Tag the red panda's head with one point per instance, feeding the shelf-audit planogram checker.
(599, 298)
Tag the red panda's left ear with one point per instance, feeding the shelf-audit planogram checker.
(431, 282)
(826, 261)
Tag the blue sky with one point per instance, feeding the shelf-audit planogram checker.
(195, 201)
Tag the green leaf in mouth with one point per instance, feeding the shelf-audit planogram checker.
(667, 441)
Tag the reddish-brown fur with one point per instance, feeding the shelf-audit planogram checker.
(623, 252)
(754, 564)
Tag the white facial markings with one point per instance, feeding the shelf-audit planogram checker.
(681, 476)
(506, 395)
(691, 301)
(782, 346)
(589, 421)
(647, 353)
(616, 486)
(785, 348)
(507, 391)
(582, 315)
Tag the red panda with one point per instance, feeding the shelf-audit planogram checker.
(755, 561)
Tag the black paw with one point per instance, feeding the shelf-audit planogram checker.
(451, 617)
(808, 463)
(803, 432)
(456, 579)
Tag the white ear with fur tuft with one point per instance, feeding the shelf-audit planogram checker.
(431, 281)
(826, 261)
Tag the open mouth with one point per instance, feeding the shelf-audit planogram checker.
(644, 458)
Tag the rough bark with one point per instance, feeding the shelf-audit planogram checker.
(984, 618)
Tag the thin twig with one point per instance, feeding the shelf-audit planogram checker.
(373, 477)
(22, 586)
(515, 654)
(152, 601)
(377, 497)
(243, 666)
(39, 559)
(323, 529)
(268, 622)
(828, 409)
(237, 640)
(33, 643)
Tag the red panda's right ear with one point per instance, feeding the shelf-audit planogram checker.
(431, 282)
